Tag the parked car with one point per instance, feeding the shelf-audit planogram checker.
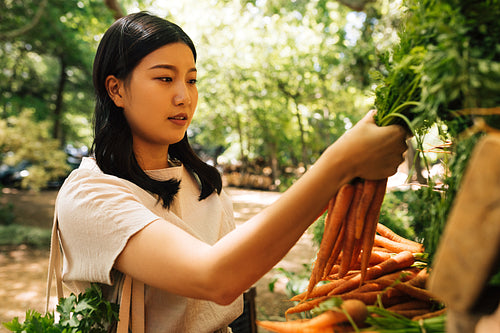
(12, 176)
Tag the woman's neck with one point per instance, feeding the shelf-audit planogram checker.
(152, 159)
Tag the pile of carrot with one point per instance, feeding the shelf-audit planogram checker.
(361, 259)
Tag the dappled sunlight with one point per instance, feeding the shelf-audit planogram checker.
(23, 273)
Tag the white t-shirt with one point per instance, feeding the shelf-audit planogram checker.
(98, 213)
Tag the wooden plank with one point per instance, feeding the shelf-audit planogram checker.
(470, 246)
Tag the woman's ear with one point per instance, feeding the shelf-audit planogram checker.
(114, 87)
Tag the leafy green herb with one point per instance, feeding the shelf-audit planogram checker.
(87, 312)
(385, 321)
(444, 73)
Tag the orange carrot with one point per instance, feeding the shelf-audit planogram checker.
(388, 233)
(306, 305)
(329, 209)
(355, 262)
(371, 222)
(369, 187)
(368, 297)
(333, 271)
(376, 257)
(340, 209)
(293, 326)
(318, 291)
(420, 279)
(395, 246)
(399, 261)
(380, 249)
(366, 287)
(373, 297)
(411, 313)
(339, 244)
(403, 275)
(405, 287)
(410, 305)
(430, 314)
(356, 310)
(393, 298)
(350, 230)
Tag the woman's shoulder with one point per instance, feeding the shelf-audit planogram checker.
(87, 167)
(88, 177)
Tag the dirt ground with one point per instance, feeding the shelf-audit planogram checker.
(23, 271)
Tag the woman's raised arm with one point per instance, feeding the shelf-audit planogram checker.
(166, 257)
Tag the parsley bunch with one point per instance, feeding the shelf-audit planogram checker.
(87, 312)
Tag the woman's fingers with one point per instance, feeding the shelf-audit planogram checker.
(375, 151)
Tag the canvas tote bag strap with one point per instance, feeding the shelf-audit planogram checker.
(132, 294)
(131, 302)
(54, 264)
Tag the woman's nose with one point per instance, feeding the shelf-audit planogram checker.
(182, 96)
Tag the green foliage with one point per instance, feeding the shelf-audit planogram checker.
(385, 321)
(296, 281)
(429, 206)
(46, 69)
(448, 59)
(446, 65)
(87, 312)
(15, 234)
(278, 81)
(23, 139)
(34, 323)
(6, 214)
(285, 98)
(317, 230)
(394, 214)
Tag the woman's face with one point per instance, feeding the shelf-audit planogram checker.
(159, 99)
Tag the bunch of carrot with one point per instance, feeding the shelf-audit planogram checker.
(361, 259)
(350, 228)
(356, 250)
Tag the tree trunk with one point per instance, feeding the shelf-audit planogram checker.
(242, 149)
(114, 6)
(303, 148)
(273, 161)
(63, 78)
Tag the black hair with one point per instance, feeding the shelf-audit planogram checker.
(122, 47)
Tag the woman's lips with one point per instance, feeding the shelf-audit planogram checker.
(179, 119)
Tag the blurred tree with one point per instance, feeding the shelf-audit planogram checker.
(281, 80)
(24, 140)
(278, 80)
(50, 64)
(46, 57)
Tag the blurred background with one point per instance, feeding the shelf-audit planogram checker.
(279, 80)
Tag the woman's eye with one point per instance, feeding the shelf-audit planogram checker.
(165, 79)
(193, 81)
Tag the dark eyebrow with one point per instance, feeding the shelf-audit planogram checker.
(165, 66)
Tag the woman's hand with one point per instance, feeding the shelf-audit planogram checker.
(372, 152)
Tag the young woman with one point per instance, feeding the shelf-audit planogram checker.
(146, 206)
